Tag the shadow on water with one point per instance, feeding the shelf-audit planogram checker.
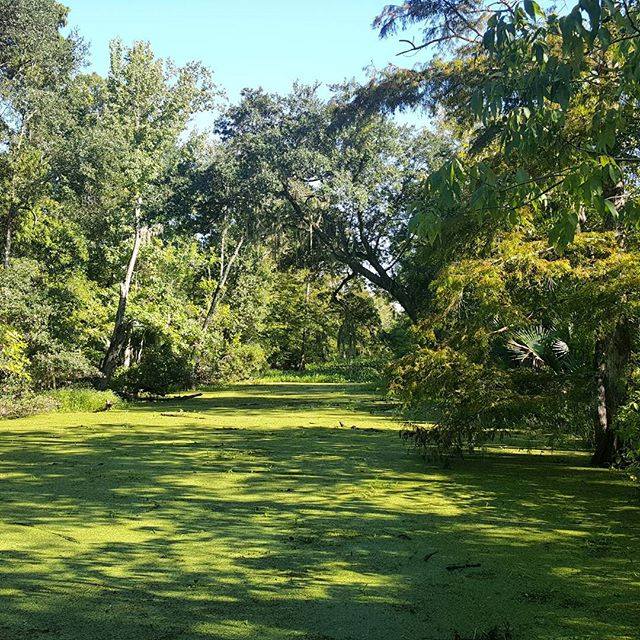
(315, 533)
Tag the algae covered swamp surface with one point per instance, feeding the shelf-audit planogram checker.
(258, 512)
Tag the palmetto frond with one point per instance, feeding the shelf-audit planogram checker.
(538, 347)
(529, 346)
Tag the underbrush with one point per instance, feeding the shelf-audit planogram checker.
(61, 400)
(337, 371)
(84, 399)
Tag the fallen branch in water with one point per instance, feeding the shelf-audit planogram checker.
(189, 396)
(457, 567)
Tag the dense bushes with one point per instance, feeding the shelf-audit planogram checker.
(367, 370)
(83, 399)
(507, 349)
(65, 400)
(240, 362)
(159, 371)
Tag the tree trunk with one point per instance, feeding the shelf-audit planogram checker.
(388, 284)
(128, 353)
(612, 357)
(302, 362)
(216, 298)
(222, 283)
(121, 327)
(604, 438)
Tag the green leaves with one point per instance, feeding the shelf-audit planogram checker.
(592, 7)
(564, 230)
(533, 9)
(611, 209)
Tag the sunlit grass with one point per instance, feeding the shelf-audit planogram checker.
(258, 511)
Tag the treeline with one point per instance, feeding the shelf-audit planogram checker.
(141, 255)
(491, 259)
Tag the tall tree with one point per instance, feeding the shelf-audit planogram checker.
(549, 102)
(349, 187)
(36, 63)
(148, 104)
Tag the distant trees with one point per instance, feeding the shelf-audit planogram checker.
(106, 190)
(349, 186)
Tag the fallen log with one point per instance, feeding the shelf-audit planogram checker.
(458, 567)
(189, 396)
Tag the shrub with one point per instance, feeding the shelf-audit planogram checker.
(75, 399)
(339, 371)
(52, 369)
(238, 362)
(472, 403)
(14, 376)
(159, 372)
(25, 405)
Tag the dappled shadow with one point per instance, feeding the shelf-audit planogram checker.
(278, 398)
(140, 530)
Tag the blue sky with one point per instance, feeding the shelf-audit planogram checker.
(246, 42)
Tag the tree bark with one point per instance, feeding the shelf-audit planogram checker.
(121, 327)
(216, 297)
(612, 356)
(604, 438)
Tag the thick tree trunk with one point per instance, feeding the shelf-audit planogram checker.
(377, 275)
(121, 327)
(605, 441)
(388, 284)
(612, 356)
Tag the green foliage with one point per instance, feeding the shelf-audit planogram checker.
(79, 399)
(58, 366)
(301, 327)
(159, 371)
(69, 400)
(239, 362)
(364, 369)
(532, 222)
(543, 130)
(25, 404)
(14, 363)
(510, 343)
(628, 420)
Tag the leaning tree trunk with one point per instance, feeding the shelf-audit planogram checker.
(225, 271)
(226, 268)
(120, 333)
(612, 357)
